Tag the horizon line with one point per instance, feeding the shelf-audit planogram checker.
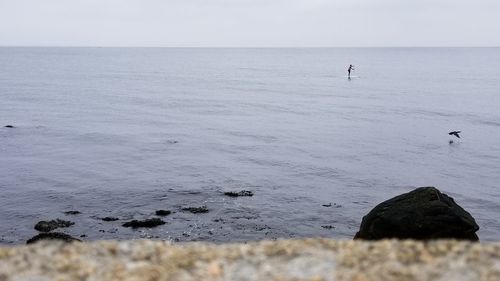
(235, 47)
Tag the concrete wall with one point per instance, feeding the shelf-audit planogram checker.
(311, 259)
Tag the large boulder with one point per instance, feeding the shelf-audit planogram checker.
(424, 213)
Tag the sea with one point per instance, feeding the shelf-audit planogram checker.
(123, 132)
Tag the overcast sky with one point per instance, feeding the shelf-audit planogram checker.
(250, 23)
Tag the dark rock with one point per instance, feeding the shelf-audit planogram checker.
(330, 205)
(46, 226)
(52, 236)
(72, 212)
(261, 227)
(83, 235)
(109, 219)
(422, 214)
(9, 126)
(328, 226)
(163, 213)
(144, 223)
(238, 194)
(196, 210)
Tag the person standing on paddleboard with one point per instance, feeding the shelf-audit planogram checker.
(351, 67)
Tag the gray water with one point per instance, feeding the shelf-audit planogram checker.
(127, 131)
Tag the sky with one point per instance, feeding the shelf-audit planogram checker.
(250, 23)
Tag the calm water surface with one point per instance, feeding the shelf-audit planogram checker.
(127, 131)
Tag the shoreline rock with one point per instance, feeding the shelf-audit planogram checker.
(422, 214)
(52, 236)
(196, 210)
(47, 226)
(109, 219)
(144, 223)
(239, 194)
(163, 213)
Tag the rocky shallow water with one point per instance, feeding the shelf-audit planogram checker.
(178, 223)
(125, 132)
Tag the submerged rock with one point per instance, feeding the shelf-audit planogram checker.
(52, 236)
(196, 210)
(9, 126)
(109, 219)
(163, 213)
(46, 226)
(239, 194)
(72, 212)
(144, 223)
(422, 214)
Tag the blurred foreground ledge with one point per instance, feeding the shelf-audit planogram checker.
(309, 259)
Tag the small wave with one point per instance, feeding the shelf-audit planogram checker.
(256, 137)
(489, 123)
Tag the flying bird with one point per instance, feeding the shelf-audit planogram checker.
(455, 133)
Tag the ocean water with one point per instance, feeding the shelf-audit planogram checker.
(126, 131)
